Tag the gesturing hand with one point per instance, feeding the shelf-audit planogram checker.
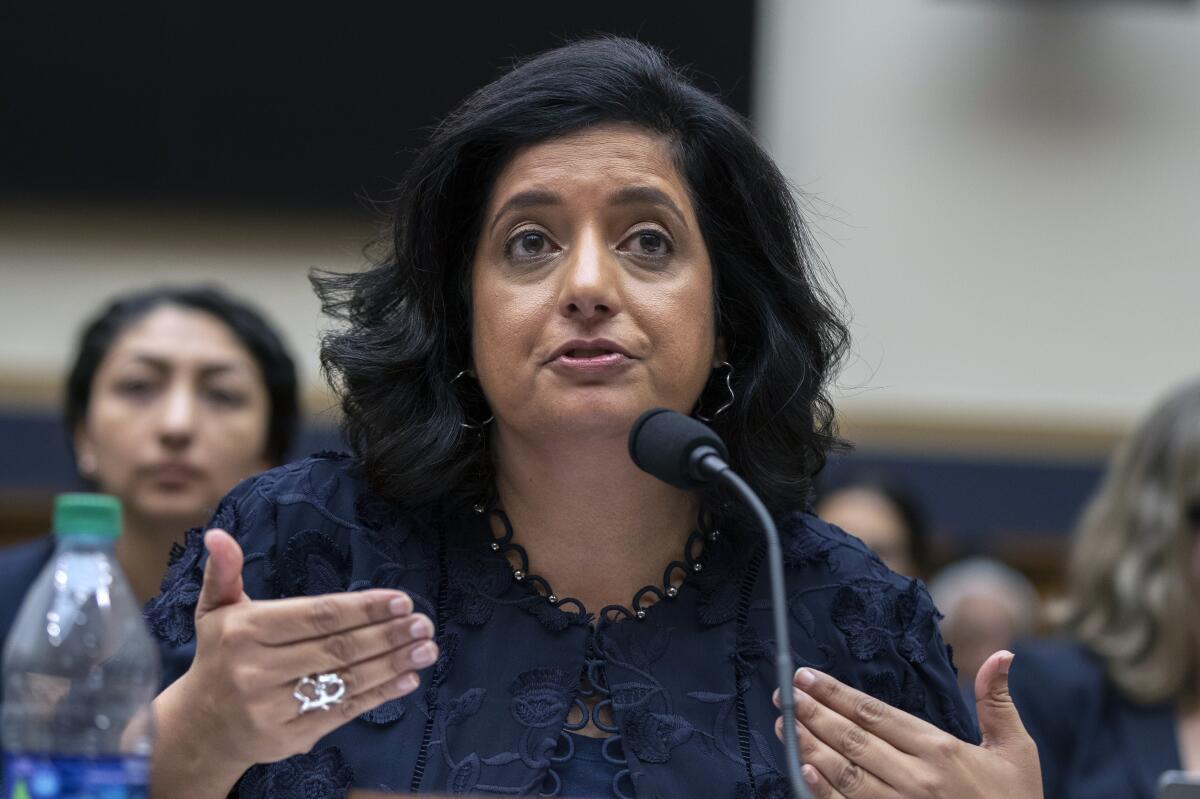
(856, 746)
(250, 655)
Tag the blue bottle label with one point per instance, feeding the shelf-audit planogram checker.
(60, 777)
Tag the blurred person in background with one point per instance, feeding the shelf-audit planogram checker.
(1118, 702)
(886, 516)
(987, 606)
(175, 395)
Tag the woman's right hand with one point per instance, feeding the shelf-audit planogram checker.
(234, 706)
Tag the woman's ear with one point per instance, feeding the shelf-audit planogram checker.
(85, 454)
(720, 354)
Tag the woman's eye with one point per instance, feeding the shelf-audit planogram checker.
(134, 388)
(225, 397)
(529, 244)
(650, 243)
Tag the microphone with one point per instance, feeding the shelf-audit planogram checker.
(686, 453)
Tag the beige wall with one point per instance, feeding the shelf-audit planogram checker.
(58, 266)
(1008, 194)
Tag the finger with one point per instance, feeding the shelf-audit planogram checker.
(222, 583)
(286, 621)
(820, 788)
(335, 652)
(844, 777)
(362, 678)
(903, 731)
(818, 785)
(999, 721)
(853, 743)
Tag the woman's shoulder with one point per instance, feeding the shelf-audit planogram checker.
(1062, 693)
(868, 626)
(871, 607)
(324, 483)
(27, 558)
(305, 528)
(1056, 678)
(811, 544)
(1061, 657)
(323, 491)
(823, 559)
(20, 564)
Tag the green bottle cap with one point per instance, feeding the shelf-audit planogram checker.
(87, 514)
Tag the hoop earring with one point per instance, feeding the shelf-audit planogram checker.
(468, 426)
(728, 402)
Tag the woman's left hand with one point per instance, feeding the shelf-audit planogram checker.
(855, 746)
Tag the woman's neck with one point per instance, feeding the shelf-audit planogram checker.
(595, 527)
(143, 550)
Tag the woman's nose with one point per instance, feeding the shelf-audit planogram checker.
(177, 420)
(590, 288)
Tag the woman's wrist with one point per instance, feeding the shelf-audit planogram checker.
(186, 762)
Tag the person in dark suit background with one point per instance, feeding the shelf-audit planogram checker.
(1115, 704)
(175, 394)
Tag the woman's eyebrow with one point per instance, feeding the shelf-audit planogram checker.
(206, 369)
(526, 199)
(649, 195)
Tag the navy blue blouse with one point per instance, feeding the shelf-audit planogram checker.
(1093, 741)
(682, 689)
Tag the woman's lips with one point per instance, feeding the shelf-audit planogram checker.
(590, 361)
(173, 474)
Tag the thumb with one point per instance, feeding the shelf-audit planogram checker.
(999, 721)
(222, 574)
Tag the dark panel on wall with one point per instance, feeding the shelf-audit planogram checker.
(975, 499)
(35, 457)
(297, 105)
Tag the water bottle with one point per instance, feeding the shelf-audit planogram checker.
(80, 669)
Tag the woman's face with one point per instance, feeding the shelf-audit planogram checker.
(178, 415)
(591, 286)
(873, 519)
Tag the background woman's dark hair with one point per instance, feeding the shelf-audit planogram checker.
(903, 500)
(406, 330)
(247, 325)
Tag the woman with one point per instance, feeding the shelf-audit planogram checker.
(887, 517)
(1118, 703)
(175, 395)
(585, 238)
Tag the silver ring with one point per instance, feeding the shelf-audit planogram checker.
(327, 689)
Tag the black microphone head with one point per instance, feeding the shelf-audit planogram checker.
(661, 442)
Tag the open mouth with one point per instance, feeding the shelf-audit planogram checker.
(591, 355)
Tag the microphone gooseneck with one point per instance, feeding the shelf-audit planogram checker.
(686, 453)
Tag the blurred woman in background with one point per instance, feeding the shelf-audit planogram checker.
(888, 519)
(1118, 705)
(175, 395)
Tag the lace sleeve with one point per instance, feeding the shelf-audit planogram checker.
(872, 629)
(171, 615)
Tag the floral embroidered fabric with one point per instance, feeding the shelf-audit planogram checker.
(683, 692)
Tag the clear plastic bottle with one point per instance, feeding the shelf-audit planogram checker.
(80, 669)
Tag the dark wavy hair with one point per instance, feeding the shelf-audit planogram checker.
(405, 322)
(248, 326)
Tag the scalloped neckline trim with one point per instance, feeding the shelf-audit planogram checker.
(691, 563)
